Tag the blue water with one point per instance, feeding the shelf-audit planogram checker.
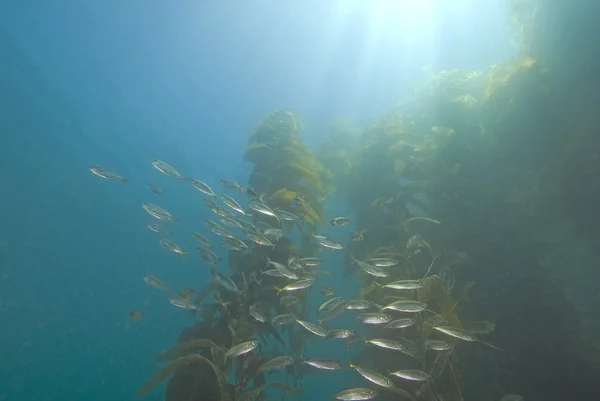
(121, 83)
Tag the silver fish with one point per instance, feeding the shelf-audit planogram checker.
(328, 242)
(106, 174)
(221, 211)
(412, 374)
(155, 189)
(166, 169)
(242, 348)
(324, 363)
(288, 300)
(337, 309)
(283, 269)
(437, 345)
(157, 211)
(182, 303)
(229, 222)
(155, 283)
(373, 318)
(233, 204)
(400, 323)
(171, 246)
(297, 285)
(203, 187)
(407, 305)
(285, 318)
(226, 282)
(313, 328)
(285, 215)
(405, 284)
(234, 244)
(370, 269)
(373, 376)
(261, 208)
(340, 333)
(356, 394)
(276, 363)
(256, 313)
(230, 184)
(359, 304)
(383, 262)
(311, 262)
(339, 221)
(330, 302)
(202, 239)
(158, 229)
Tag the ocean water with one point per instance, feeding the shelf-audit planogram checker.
(119, 84)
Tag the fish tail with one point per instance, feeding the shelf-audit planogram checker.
(184, 254)
(124, 180)
(182, 179)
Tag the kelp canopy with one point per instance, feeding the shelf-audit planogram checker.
(481, 190)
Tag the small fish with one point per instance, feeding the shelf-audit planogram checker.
(274, 234)
(183, 304)
(328, 242)
(405, 284)
(373, 376)
(155, 283)
(340, 333)
(241, 349)
(135, 315)
(203, 187)
(155, 189)
(210, 202)
(337, 309)
(373, 318)
(370, 269)
(233, 204)
(261, 208)
(327, 304)
(221, 211)
(383, 262)
(234, 244)
(220, 231)
(208, 255)
(288, 300)
(229, 222)
(202, 239)
(339, 221)
(186, 293)
(400, 323)
(407, 305)
(229, 184)
(275, 364)
(437, 345)
(285, 215)
(323, 363)
(297, 285)
(285, 318)
(226, 282)
(158, 229)
(273, 273)
(106, 174)
(171, 246)
(327, 291)
(311, 262)
(356, 236)
(313, 328)
(359, 304)
(283, 269)
(356, 394)
(385, 343)
(252, 194)
(157, 211)
(166, 169)
(512, 397)
(256, 313)
(412, 374)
